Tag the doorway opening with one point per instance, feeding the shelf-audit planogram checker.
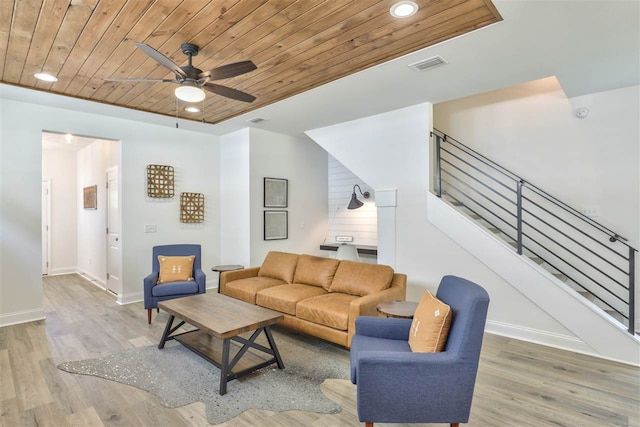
(77, 169)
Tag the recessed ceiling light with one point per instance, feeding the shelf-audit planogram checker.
(403, 9)
(192, 109)
(45, 77)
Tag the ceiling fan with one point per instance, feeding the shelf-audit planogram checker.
(192, 80)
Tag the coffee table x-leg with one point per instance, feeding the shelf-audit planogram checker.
(191, 340)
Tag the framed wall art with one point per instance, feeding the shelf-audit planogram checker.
(276, 225)
(276, 192)
(90, 197)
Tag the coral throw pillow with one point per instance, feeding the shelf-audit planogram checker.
(430, 326)
(175, 268)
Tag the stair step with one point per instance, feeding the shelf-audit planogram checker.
(536, 259)
(475, 216)
(560, 277)
(494, 230)
(587, 295)
(616, 316)
(455, 202)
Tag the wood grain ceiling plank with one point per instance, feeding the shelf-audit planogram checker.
(122, 68)
(340, 60)
(25, 16)
(74, 20)
(132, 11)
(141, 28)
(91, 33)
(171, 47)
(49, 21)
(7, 8)
(299, 40)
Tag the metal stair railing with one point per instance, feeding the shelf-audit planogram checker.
(595, 261)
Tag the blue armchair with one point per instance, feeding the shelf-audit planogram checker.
(154, 292)
(395, 385)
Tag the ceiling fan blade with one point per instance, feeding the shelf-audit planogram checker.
(140, 80)
(229, 92)
(229, 70)
(161, 59)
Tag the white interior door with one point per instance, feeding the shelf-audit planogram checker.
(114, 259)
(45, 227)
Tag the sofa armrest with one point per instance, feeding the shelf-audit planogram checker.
(367, 305)
(230, 276)
(382, 327)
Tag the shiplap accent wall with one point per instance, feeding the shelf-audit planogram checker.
(360, 223)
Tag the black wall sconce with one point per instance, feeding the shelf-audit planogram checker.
(355, 203)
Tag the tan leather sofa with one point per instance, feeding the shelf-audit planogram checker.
(318, 296)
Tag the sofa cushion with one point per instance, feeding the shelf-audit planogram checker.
(315, 270)
(330, 310)
(360, 278)
(246, 289)
(279, 265)
(175, 288)
(175, 268)
(284, 298)
(430, 325)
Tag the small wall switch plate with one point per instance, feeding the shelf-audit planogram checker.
(590, 211)
(150, 228)
(344, 238)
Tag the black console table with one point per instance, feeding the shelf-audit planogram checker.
(362, 250)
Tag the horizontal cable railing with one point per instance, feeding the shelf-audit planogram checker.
(592, 259)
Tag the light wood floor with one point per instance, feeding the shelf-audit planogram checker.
(519, 384)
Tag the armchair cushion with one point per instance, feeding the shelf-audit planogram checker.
(175, 268)
(430, 326)
(175, 288)
(279, 265)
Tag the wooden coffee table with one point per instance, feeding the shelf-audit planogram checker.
(220, 320)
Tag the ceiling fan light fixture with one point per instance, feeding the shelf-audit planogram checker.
(192, 109)
(403, 9)
(45, 77)
(189, 93)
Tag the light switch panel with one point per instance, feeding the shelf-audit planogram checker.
(150, 228)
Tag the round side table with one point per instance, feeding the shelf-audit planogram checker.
(223, 268)
(401, 309)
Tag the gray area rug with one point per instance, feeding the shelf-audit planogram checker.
(178, 377)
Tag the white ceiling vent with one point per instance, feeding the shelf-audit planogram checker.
(428, 63)
(256, 120)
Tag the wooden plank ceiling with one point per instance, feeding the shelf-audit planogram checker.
(296, 45)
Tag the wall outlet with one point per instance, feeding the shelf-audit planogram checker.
(150, 228)
(590, 211)
(344, 238)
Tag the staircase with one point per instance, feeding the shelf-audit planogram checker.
(591, 264)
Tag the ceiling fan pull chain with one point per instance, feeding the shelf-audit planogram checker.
(176, 113)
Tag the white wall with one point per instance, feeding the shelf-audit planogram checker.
(59, 166)
(390, 151)
(235, 201)
(194, 155)
(304, 164)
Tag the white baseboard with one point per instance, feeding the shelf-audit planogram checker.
(61, 271)
(130, 298)
(25, 316)
(564, 342)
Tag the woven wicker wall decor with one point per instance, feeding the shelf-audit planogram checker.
(191, 207)
(160, 181)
